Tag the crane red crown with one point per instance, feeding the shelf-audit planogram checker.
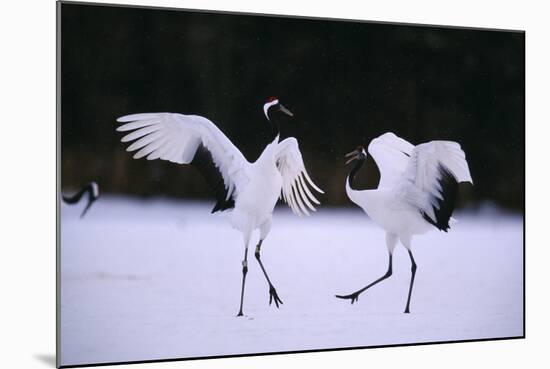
(272, 98)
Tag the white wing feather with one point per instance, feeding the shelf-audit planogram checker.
(391, 154)
(176, 137)
(420, 182)
(295, 190)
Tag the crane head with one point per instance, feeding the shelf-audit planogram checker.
(358, 154)
(272, 105)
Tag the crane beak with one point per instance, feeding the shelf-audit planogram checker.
(352, 156)
(285, 110)
(88, 205)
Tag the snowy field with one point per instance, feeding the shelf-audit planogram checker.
(159, 279)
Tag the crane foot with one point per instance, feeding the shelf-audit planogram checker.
(274, 297)
(353, 297)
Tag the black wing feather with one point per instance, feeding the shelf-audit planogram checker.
(449, 191)
(205, 163)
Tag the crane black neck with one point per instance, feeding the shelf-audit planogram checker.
(77, 196)
(275, 126)
(358, 164)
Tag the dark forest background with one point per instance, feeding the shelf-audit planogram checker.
(346, 83)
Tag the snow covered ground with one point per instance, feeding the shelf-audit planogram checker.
(159, 279)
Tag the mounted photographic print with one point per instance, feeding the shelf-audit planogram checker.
(243, 184)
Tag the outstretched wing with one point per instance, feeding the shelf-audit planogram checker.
(295, 190)
(391, 154)
(189, 139)
(430, 181)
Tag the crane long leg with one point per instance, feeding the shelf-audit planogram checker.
(245, 270)
(272, 292)
(355, 296)
(413, 273)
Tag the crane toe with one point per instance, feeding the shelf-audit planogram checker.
(274, 297)
(353, 297)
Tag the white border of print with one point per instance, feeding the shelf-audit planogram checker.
(27, 279)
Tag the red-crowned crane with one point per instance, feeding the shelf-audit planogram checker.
(246, 191)
(92, 189)
(416, 193)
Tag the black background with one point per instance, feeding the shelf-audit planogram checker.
(346, 83)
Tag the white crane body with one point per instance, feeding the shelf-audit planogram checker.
(250, 214)
(385, 209)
